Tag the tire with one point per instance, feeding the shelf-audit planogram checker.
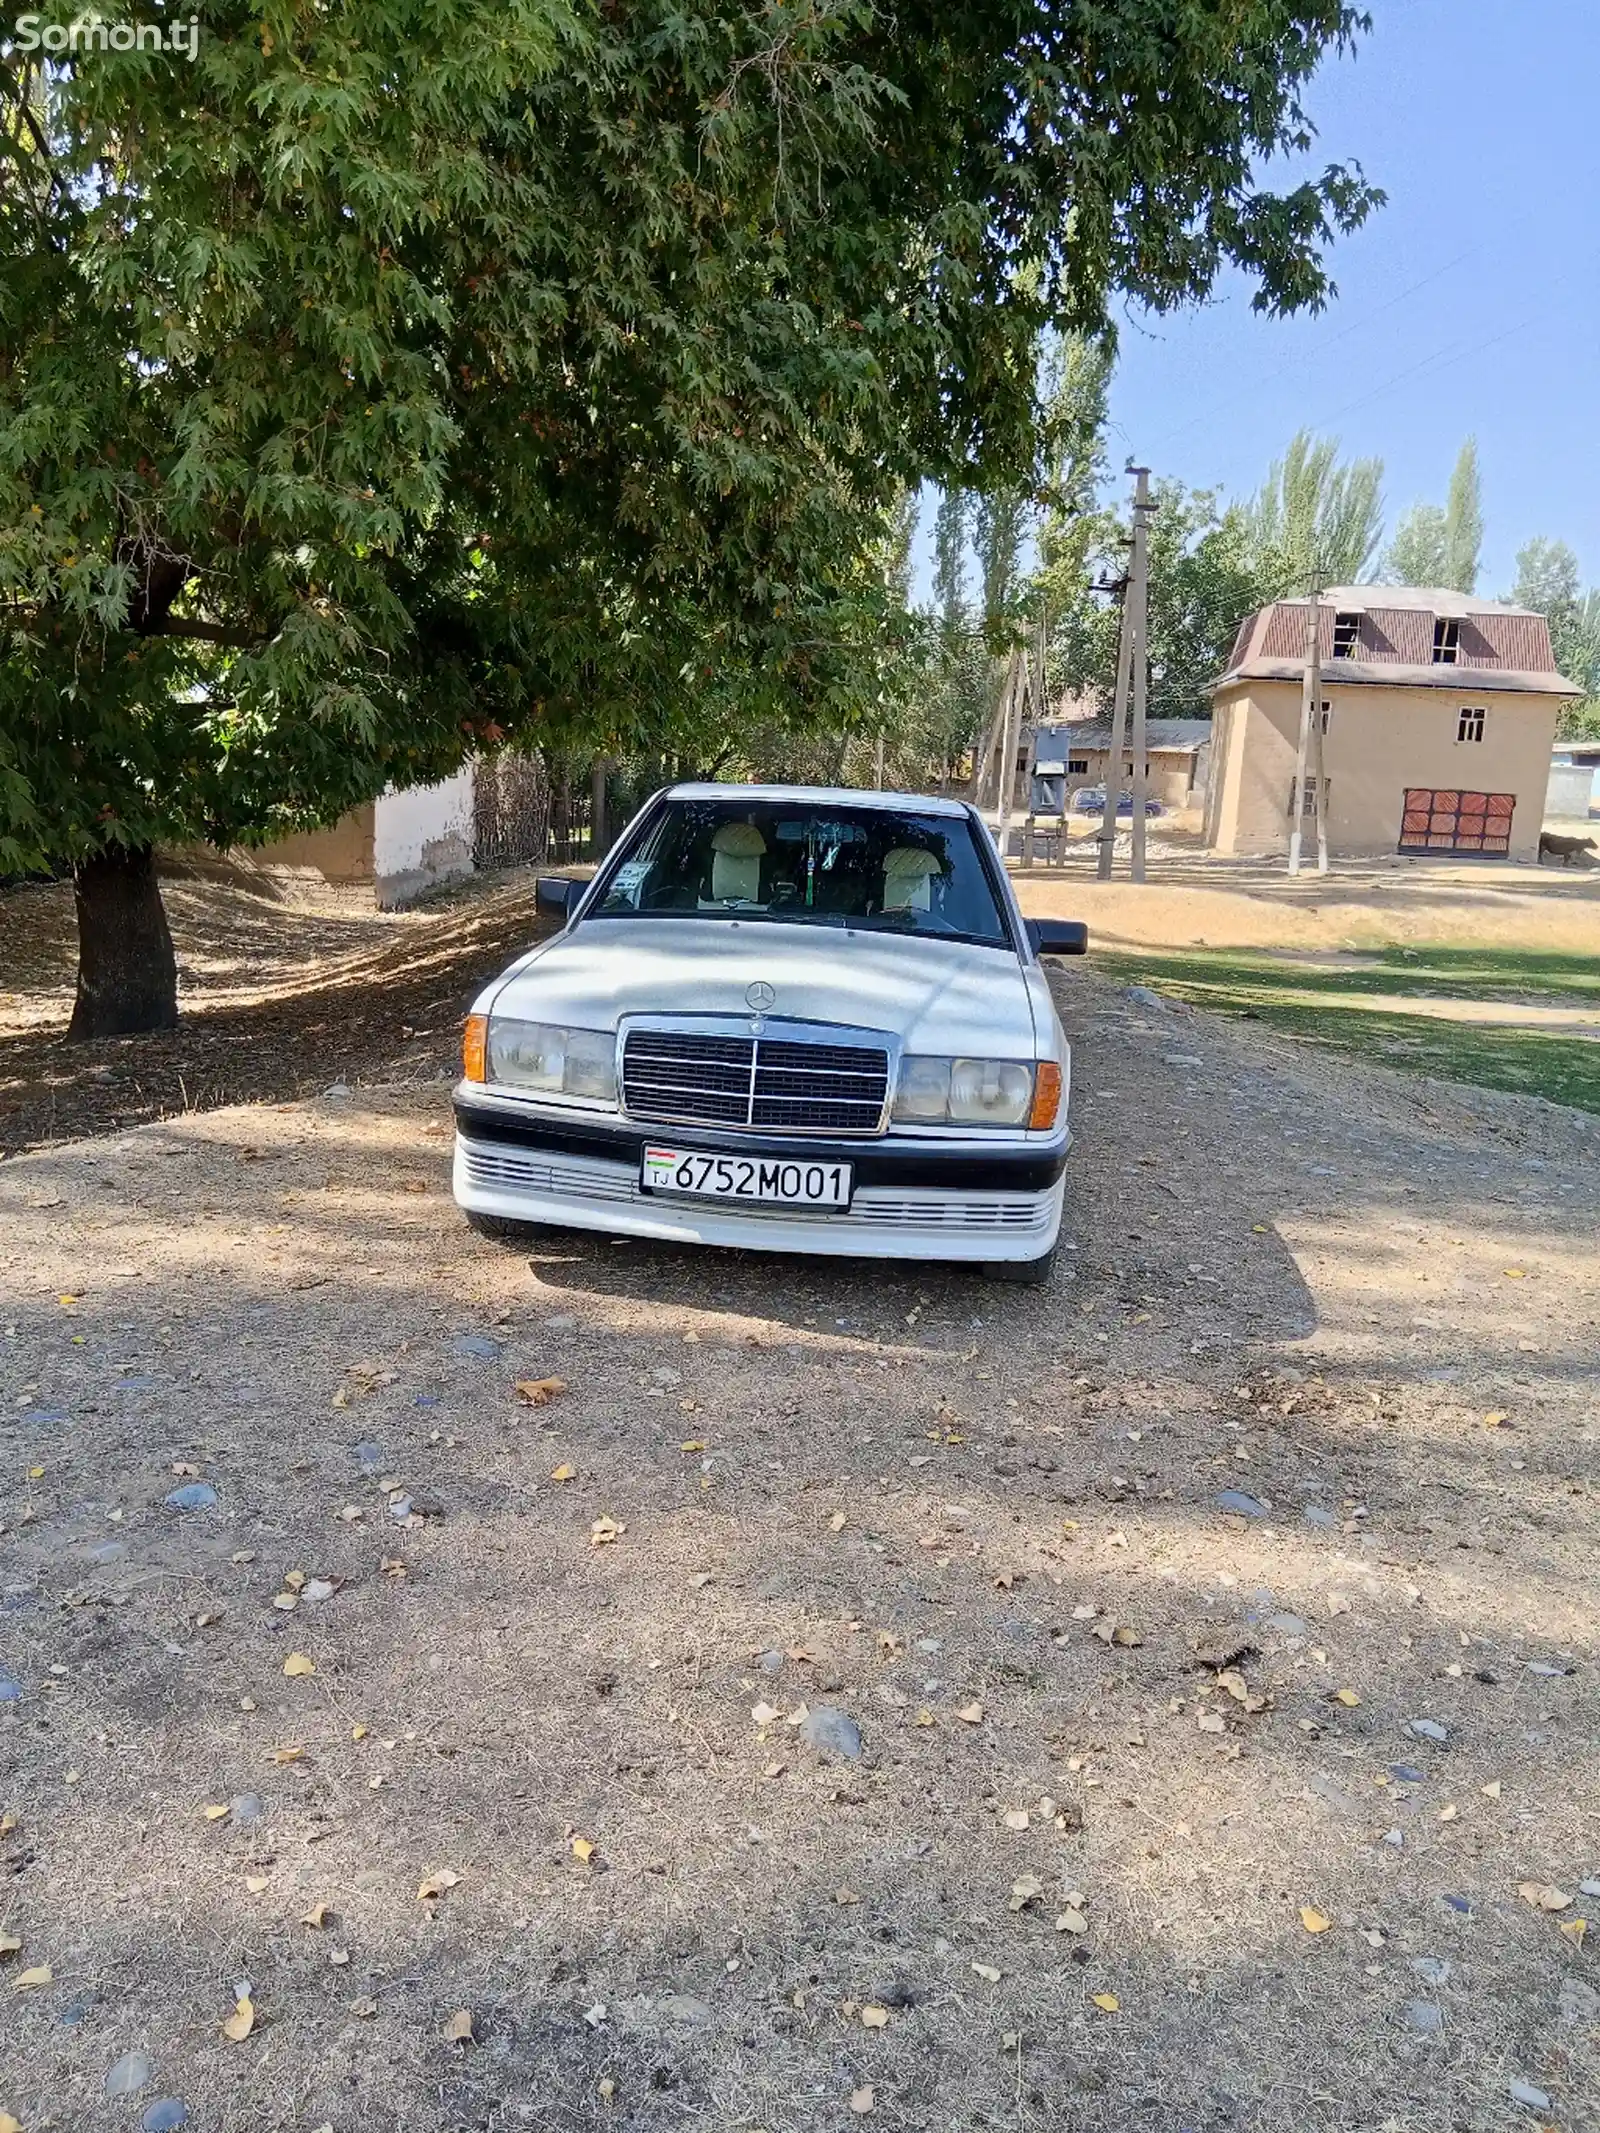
(500, 1227)
(1022, 1273)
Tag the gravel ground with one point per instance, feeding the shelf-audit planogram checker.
(1141, 1833)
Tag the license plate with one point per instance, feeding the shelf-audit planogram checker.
(771, 1181)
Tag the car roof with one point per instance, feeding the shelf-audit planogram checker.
(824, 795)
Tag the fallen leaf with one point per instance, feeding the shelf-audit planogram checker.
(539, 1392)
(436, 1884)
(240, 2023)
(1107, 2002)
(1016, 1818)
(255, 1883)
(359, 1732)
(1543, 1895)
(764, 1715)
(1448, 1814)
(971, 1714)
(1347, 1697)
(838, 1522)
(604, 1531)
(563, 1472)
(299, 1663)
(286, 1755)
(1491, 1791)
(8, 2124)
(1025, 1890)
(605, 2088)
(1072, 1922)
(584, 1849)
(1313, 1921)
(874, 2017)
(924, 1717)
(692, 1444)
(1574, 1929)
(458, 2030)
(28, 1980)
(845, 1896)
(862, 2100)
(215, 1814)
(987, 1972)
(317, 1916)
(9, 1943)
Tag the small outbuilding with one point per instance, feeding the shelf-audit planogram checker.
(1069, 756)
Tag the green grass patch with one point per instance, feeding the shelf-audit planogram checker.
(1313, 1003)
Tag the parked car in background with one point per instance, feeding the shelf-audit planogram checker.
(783, 1018)
(1091, 800)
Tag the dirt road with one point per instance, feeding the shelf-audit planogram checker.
(1082, 1874)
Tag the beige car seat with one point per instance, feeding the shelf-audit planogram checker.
(737, 851)
(908, 879)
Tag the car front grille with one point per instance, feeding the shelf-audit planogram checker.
(768, 1084)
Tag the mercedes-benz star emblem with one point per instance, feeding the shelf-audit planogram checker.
(760, 997)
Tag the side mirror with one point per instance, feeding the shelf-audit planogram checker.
(554, 892)
(1057, 936)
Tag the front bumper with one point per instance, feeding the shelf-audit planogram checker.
(939, 1199)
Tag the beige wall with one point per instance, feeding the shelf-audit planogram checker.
(1379, 741)
(1171, 776)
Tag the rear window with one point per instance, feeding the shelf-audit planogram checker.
(875, 869)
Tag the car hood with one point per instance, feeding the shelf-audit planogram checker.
(937, 996)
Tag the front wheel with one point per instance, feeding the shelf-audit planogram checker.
(500, 1227)
(1022, 1273)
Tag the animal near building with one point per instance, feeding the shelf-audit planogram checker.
(1437, 711)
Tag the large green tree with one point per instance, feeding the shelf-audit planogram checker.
(1316, 520)
(1442, 546)
(386, 379)
(1549, 582)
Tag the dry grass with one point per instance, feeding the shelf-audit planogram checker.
(1291, 1277)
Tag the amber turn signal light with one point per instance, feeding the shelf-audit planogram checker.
(1046, 1095)
(475, 1050)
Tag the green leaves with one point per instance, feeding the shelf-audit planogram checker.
(389, 375)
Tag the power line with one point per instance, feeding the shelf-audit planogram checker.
(1308, 355)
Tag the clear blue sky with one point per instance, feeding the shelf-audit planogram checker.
(1471, 302)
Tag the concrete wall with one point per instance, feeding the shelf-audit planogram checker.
(422, 837)
(1572, 786)
(1173, 776)
(1379, 741)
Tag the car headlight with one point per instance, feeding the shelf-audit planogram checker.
(976, 1092)
(549, 1057)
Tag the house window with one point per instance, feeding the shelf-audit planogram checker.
(1077, 766)
(1469, 727)
(1446, 640)
(1327, 714)
(1346, 636)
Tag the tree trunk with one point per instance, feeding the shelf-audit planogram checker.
(127, 974)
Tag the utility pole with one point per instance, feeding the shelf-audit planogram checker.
(1131, 669)
(1310, 714)
(1319, 768)
(1119, 727)
(1139, 595)
(1010, 728)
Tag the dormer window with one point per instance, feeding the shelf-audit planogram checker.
(1446, 640)
(1346, 636)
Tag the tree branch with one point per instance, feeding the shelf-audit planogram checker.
(206, 632)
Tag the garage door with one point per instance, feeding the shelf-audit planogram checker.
(1441, 819)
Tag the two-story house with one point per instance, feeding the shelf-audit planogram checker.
(1437, 710)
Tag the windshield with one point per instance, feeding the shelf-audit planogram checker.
(882, 869)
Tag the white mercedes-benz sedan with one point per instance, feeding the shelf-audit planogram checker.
(783, 1018)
